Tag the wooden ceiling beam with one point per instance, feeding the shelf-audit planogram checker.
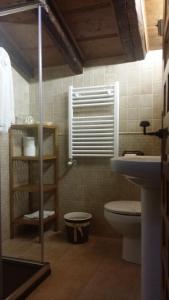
(62, 37)
(118, 59)
(130, 19)
(100, 37)
(88, 8)
(58, 31)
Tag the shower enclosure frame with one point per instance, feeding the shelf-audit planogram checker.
(43, 269)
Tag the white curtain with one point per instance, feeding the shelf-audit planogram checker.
(7, 115)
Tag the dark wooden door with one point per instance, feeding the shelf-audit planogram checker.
(165, 161)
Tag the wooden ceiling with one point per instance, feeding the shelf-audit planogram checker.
(154, 12)
(104, 30)
(94, 27)
(78, 32)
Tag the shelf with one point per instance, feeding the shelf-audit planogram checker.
(34, 158)
(31, 126)
(34, 188)
(35, 222)
(50, 158)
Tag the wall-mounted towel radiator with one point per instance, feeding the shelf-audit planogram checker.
(93, 121)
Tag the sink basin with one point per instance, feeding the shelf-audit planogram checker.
(141, 170)
(145, 172)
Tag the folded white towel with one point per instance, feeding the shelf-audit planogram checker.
(130, 154)
(35, 214)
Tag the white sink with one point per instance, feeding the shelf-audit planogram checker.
(141, 170)
(145, 172)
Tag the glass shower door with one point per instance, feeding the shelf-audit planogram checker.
(21, 151)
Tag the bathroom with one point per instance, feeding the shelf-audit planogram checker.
(94, 269)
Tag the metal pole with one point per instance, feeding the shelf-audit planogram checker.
(40, 128)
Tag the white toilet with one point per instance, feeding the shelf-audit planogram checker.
(125, 218)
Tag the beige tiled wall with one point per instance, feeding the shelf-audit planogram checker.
(21, 96)
(90, 184)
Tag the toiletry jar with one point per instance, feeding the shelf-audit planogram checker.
(29, 147)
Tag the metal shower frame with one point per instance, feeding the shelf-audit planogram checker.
(39, 5)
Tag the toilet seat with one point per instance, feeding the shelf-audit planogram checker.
(130, 208)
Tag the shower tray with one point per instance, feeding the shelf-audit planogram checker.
(21, 277)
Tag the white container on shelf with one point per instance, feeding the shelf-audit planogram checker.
(29, 147)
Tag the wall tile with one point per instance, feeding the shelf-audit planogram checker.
(132, 113)
(133, 101)
(133, 126)
(146, 100)
(90, 184)
(123, 125)
(123, 102)
(146, 82)
(145, 113)
(123, 114)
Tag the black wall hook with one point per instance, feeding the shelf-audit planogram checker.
(161, 133)
(144, 124)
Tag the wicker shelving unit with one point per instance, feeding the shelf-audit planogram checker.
(31, 187)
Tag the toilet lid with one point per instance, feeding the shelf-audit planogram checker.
(132, 208)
